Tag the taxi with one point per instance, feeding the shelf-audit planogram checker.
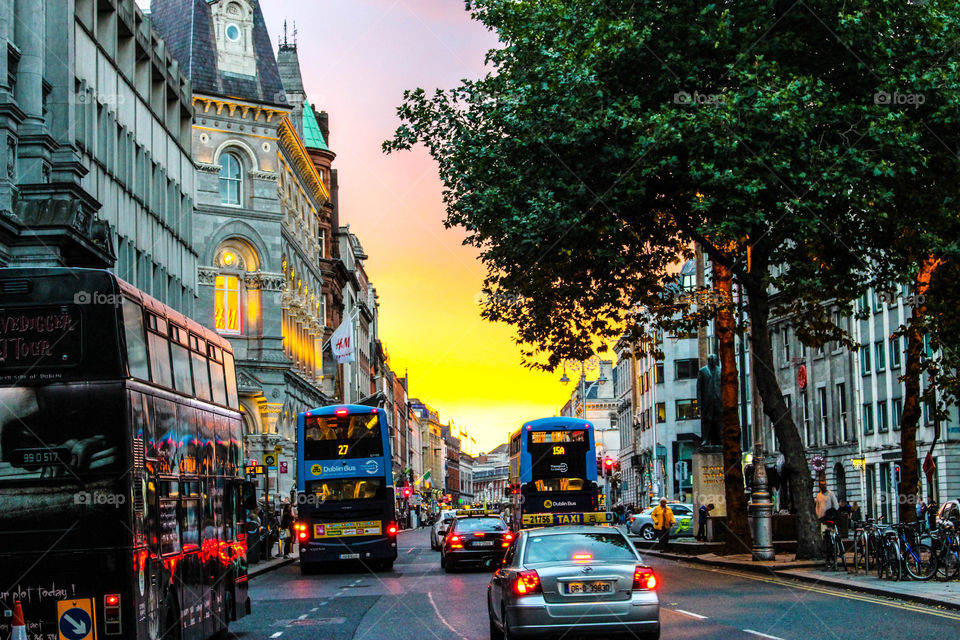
(475, 537)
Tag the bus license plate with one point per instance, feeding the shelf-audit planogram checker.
(483, 543)
(349, 556)
(589, 587)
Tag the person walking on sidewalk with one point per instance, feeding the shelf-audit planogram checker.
(663, 521)
(287, 530)
(826, 500)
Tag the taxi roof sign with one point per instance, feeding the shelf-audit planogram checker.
(477, 512)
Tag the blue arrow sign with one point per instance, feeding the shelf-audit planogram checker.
(75, 624)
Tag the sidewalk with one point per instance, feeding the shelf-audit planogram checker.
(931, 592)
(264, 566)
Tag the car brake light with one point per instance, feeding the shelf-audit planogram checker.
(644, 578)
(508, 537)
(527, 582)
(342, 412)
(392, 529)
(455, 542)
(479, 534)
(582, 557)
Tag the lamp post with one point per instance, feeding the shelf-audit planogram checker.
(761, 507)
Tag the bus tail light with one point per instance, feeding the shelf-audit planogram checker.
(392, 529)
(111, 614)
(455, 542)
(644, 579)
(342, 412)
(303, 533)
(526, 583)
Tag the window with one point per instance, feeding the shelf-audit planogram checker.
(687, 409)
(882, 421)
(823, 409)
(136, 344)
(658, 375)
(897, 413)
(867, 419)
(865, 360)
(661, 412)
(842, 410)
(159, 352)
(786, 346)
(231, 181)
(233, 32)
(686, 368)
(227, 304)
(881, 356)
(895, 353)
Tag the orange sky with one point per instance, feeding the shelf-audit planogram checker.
(357, 57)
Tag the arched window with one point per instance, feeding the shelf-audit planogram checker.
(231, 180)
(234, 259)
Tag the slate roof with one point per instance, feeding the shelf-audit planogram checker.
(312, 136)
(187, 28)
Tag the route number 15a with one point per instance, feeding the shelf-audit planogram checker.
(558, 451)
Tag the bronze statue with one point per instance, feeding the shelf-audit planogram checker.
(708, 401)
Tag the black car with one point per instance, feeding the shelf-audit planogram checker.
(475, 540)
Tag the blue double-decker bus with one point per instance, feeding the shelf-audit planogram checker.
(553, 473)
(345, 503)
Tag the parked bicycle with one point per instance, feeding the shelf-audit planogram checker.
(918, 558)
(833, 550)
(945, 542)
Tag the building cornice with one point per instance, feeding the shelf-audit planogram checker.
(290, 142)
(259, 112)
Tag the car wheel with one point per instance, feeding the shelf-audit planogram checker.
(443, 560)
(495, 632)
(647, 532)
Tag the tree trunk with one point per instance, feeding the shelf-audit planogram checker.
(738, 538)
(910, 419)
(790, 444)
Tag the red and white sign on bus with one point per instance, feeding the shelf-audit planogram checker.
(341, 343)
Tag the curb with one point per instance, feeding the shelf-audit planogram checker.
(798, 573)
(266, 569)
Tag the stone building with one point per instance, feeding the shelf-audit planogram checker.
(95, 160)
(262, 210)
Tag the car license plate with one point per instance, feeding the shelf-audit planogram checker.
(589, 587)
(483, 543)
(349, 556)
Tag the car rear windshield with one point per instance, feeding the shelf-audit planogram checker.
(601, 547)
(469, 525)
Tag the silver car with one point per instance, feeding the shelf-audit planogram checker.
(439, 529)
(641, 524)
(573, 581)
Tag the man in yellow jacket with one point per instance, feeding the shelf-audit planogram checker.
(663, 521)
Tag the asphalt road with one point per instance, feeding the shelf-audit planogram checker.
(418, 601)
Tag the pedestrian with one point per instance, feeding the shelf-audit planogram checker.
(703, 515)
(932, 509)
(855, 512)
(663, 521)
(921, 511)
(826, 500)
(287, 532)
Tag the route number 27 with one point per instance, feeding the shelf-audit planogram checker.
(343, 449)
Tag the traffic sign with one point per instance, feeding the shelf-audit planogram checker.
(75, 619)
(255, 469)
(278, 450)
(269, 459)
(283, 467)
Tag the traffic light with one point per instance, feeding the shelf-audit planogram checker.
(608, 463)
(407, 492)
(896, 472)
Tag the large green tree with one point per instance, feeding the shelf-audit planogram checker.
(610, 135)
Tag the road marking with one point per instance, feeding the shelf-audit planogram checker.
(762, 635)
(690, 613)
(314, 609)
(440, 616)
(303, 617)
(410, 550)
(277, 634)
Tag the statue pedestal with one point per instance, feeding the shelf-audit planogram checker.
(708, 486)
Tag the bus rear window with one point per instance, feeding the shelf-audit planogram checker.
(342, 489)
(336, 437)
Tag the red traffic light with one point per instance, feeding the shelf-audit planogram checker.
(608, 462)
(407, 492)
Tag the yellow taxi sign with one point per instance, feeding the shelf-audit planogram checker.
(547, 519)
(75, 619)
(477, 512)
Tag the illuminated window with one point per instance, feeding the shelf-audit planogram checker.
(231, 181)
(227, 304)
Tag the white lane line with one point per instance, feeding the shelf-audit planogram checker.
(277, 634)
(440, 616)
(314, 609)
(303, 617)
(762, 635)
(690, 613)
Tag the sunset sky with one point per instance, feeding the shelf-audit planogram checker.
(357, 57)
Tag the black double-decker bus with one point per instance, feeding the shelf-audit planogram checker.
(121, 494)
